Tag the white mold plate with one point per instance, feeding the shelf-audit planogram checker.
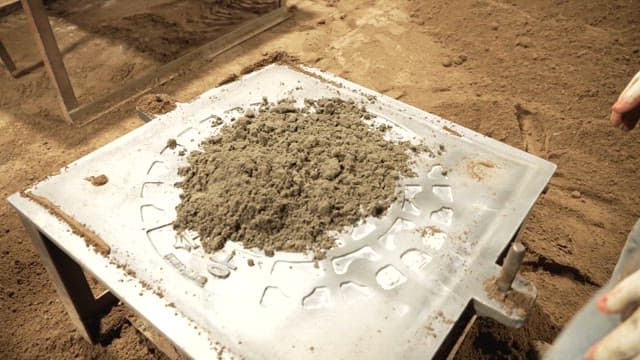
(392, 289)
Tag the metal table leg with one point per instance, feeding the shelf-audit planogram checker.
(71, 284)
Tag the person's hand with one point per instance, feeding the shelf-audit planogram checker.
(624, 341)
(625, 113)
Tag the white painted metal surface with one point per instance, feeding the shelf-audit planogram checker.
(392, 288)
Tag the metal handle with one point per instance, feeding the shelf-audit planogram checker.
(511, 265)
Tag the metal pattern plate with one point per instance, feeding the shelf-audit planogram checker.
(392, 288)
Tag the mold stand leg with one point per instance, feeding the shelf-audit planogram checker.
(6, 59)
(71, 284)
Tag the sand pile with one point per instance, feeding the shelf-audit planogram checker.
(280, 178)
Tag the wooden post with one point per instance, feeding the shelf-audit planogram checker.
(6, 59)
(46, 41)
(71, 284)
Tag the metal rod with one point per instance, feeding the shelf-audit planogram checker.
(510, 267)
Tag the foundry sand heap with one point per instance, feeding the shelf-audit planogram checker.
(282, 178)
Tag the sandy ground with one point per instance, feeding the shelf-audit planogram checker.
(539, 75)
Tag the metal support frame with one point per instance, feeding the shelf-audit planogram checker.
(156, 338)
(84, 309)
(72, 287)
(465, 325)
(80, 114)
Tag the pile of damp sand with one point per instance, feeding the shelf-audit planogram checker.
(282, 177)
